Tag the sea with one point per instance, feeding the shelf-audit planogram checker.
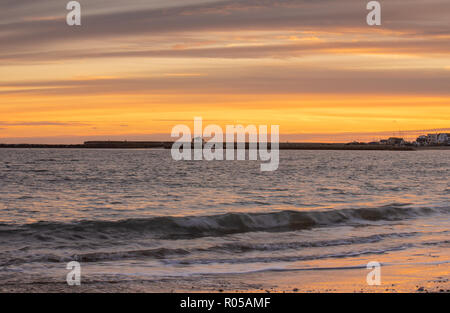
(135, 215)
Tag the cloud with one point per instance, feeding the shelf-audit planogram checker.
(408, 47)
(81, 139)
(412, 17)
(43, 123)
(267, 80)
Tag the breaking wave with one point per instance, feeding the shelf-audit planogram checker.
(170, 227)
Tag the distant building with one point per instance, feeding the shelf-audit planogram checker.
(422, 140)
(432, 139)
(383, 142)
(394, 141)
(443, 139)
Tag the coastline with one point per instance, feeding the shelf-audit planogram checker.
(168, 145)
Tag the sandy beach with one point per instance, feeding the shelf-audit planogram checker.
(395, 279)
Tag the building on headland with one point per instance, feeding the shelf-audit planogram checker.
(432, 139)
(442, 139)
(422, 140)
(437, 139)
(395, 141)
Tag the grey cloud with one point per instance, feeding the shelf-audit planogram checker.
(429, 17)
(81, 139)
(269, 80)
(411, 46)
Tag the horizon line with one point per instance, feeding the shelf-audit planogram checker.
(338, 137)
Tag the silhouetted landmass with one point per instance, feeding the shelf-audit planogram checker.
(168, 145)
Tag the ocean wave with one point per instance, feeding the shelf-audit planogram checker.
(287, 258)
(171, 227)
(99, 256)
(163, 253)
(240, 247)
(157, 253)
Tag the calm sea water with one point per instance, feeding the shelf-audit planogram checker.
(136, 214)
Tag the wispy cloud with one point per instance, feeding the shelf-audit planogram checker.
(43, 123)
(295, 80)
(409, 17)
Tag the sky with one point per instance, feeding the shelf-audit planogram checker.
(134, 69)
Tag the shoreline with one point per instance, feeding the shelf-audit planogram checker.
(168, 145)
(428, 278)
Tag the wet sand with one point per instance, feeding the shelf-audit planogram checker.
(395, 279)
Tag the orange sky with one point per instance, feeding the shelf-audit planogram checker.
(133, 72)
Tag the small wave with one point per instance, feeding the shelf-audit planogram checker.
(162, 253)
(279, 246)
(437, 243)
(290, 258)
(158, 253)
(170, 227)
(36, 171)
